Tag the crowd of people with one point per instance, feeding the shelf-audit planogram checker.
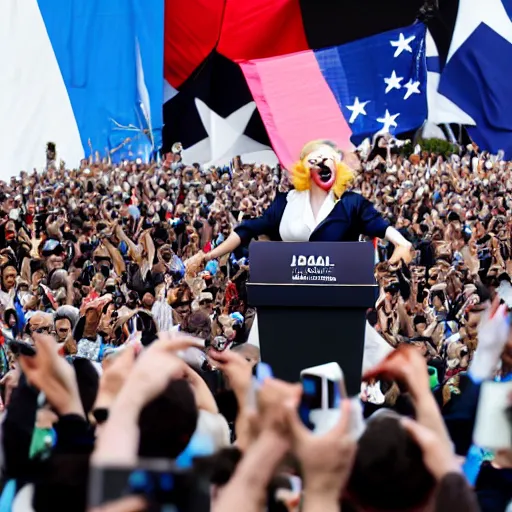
(116, 354)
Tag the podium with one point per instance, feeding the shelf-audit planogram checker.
(311, 301)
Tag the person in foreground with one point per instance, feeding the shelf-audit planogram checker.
(318, 209)
(412, 468)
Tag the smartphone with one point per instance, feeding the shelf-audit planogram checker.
(21, 348)
(165, 487)
(493, 426)
(323, 388)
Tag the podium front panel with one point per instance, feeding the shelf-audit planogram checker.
(292, 339)
(311, 300)
(313, 296)
(312, 263)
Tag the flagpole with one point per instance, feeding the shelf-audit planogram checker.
(449, 130)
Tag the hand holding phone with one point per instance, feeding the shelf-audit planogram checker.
(323, 388)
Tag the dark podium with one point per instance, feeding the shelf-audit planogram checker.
(311, 300)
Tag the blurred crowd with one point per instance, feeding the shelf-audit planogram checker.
(116, 356)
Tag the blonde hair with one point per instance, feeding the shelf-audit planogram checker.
(300, 173)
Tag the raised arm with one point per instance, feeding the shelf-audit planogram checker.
(267, 224)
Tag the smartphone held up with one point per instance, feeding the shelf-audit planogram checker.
(323, 388)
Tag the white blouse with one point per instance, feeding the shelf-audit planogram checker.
(298, 221)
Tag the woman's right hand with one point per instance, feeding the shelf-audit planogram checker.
(193, 264)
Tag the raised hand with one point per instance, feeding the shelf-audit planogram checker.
(193, 264)
(402, 253)
(326, 460)
(115, 372)
(156, 366)
(237, 370)
(437, 459)
(53, 375)
(405, 365)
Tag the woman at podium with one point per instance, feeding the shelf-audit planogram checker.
(319, 208)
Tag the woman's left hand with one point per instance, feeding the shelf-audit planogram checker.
(403, 253)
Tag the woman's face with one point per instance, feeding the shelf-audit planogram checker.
(322, 165)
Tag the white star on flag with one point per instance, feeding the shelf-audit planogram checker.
(412, 88)
(402, 45)
(472, 13)
(225, 136)
(388, 121)
(393, 82)
(357, 108)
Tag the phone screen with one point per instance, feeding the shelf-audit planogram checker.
(319, 394)
(311, 398)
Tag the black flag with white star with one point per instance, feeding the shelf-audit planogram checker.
(214, 115)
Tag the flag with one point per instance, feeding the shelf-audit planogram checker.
(476, 76)
(205, 38)
(79, 70)
(440, 109)
(214, 117)
(345, 93)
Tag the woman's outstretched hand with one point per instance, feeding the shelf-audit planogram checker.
(401, 253)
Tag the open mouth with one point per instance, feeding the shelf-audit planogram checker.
(324, 174)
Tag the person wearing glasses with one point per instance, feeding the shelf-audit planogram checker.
(40, 323)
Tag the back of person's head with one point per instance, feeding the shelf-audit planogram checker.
(168, 422)
(389, 473)
(198, 324)
(219, 467)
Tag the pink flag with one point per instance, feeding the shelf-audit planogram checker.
(295, 103)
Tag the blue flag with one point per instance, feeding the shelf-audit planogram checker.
(476, 77)
(379, 82)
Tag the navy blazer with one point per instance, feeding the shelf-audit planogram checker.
(352, 216)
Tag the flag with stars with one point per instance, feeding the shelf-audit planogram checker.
(346, 93)
(208, 105)
(476, 77)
